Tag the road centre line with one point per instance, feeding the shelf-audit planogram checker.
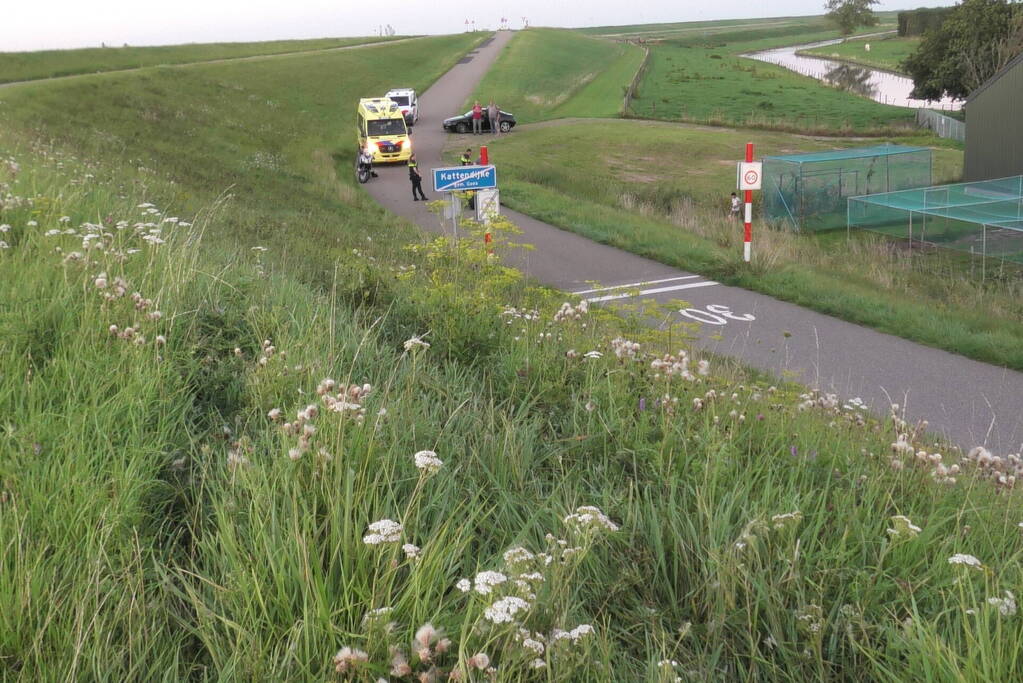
(636, 284)
(656, 290)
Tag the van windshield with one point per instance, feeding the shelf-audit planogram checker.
(400, 100)
(386, 127)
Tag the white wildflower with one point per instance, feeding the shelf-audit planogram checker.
(1006, 606)
(383, 531)
(428, 462)
(517, 555)
(593, 354)
(783, 520)
(574, 635)
(902, 527)
(968, 560)
(411, 551)
(587, 518)
(504, 610)
(347, 658)
(416, 343)
(480, 660)
(486, 580)
(464, 585)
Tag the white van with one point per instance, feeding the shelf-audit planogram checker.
(407, 101)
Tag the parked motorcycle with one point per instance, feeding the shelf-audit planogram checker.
(364, 167)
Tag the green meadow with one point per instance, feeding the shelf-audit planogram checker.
(28, 66)
(886, 52)
(256, 428)
(706, 80)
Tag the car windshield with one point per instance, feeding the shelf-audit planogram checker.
(386, 127)
(400, 99)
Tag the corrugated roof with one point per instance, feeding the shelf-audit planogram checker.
(854, 153)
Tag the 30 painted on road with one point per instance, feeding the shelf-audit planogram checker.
(464, 178)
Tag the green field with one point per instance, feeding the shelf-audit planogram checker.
(885, 52)
(707, 28)
(187, 261)
(28, 66)
(704, 80)
(670, 185)
(551, 73)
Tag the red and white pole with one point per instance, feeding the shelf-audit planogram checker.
(485, 160)
(747, 237)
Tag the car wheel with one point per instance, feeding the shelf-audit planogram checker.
(505, 126)
(462, 127)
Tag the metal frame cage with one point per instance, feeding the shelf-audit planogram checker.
(983, 218)
(808, 192)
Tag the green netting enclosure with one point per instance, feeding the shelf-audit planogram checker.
(809, 191)
(984, 218)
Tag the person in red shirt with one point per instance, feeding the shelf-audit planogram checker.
(477, 119)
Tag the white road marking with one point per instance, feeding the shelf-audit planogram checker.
(656, 290)
(716, 314)
(636, 284)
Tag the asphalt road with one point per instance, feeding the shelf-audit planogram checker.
(969, 402)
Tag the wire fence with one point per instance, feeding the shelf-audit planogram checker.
(943, 126)
(630, 92)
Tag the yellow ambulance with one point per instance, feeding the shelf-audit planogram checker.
(382, 130)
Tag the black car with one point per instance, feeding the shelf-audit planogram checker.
(463, 123)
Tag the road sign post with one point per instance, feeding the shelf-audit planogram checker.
(462, 178)
(748, 178)
(457, 178)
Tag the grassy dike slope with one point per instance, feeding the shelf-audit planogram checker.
(162, 521)
(28, 66)
(551, 73)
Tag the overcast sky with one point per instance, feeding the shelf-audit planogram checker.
(45, 24)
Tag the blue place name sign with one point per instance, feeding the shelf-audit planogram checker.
(464, 178)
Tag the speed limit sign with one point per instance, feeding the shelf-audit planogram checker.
(748, 175)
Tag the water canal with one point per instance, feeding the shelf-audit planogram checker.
(881, 86)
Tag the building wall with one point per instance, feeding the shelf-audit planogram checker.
(994, 127)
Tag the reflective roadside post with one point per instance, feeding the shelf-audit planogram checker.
(748, 178)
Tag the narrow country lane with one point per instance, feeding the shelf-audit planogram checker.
(971, 403)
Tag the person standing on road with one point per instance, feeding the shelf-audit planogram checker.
(477, 118)
(415, 179)
(736, 204)
(466, 157)
(494, 114)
